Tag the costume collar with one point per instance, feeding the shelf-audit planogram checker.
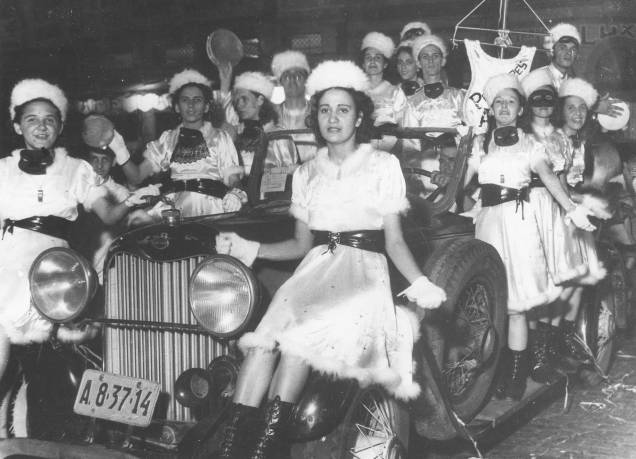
(349, 166)
(542, 131)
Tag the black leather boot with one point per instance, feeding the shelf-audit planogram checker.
(269, 444)
(235, 436)
(519, 370)
(573, 346)
(541, 369)
(503, 372)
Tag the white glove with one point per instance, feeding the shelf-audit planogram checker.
(234, 245)
(578, 217)
(426, 294)
(122, 155)
(462, 129)
(232, 174)
(233, 200)
(137, 197)
(599, 207)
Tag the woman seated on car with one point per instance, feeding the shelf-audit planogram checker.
(198, 155)
(336, 313)
(41, 187)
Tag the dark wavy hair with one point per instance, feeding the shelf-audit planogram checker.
(19, 110)
(363, 105)
(267, 112)
(492, 125)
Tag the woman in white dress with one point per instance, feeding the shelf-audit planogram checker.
(40, 189)
(508, 221)
(200, 157)
(336, 313)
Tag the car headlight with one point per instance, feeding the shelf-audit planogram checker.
(223, 295)
(62, 283)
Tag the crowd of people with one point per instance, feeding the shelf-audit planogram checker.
(531, 157)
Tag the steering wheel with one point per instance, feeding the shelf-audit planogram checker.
(417, 171)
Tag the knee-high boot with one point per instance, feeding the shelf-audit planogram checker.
(234, 444)
(269, 444)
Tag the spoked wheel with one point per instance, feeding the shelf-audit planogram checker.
(597, 327)
(375, 427)
(467, 334)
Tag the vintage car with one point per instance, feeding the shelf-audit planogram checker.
(173, 309)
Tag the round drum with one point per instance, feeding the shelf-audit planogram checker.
(222, 46)
(97, 131)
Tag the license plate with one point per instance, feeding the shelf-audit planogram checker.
(116, 398)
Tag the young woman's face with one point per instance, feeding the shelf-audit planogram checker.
(373, 62)
(574, 113)
(40, 125)
(406, 66)
(506, 107)
(431, 60)
(101, 162)
(337, 116)
(247, 104)
(192, 106)
(542, 112)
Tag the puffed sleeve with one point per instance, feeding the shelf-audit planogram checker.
(226, 151)
(556, 149)
(85, 188)
(391, 192)
(538, 155)
(300, 196)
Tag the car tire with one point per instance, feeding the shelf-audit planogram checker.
(376, 425)
(467, 333)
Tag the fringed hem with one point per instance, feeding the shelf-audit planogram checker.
(592, 276)
(546, 297)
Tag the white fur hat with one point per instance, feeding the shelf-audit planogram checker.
(379, 41)
(34, 88)
(500, 82)
(581, 88)
(535, 80)
(337, 74)
(423, 41)
(255, 81)
(289, 60)
(559, 31)
(414, 26)
(184, 77)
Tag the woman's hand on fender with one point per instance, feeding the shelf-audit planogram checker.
(426, 294)
(242, 249)
(579, 218)
(233, 200)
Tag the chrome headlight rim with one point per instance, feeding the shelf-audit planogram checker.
(89, 275)
(254, 293)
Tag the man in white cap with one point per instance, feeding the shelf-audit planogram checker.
(563, 43)
(377, 49)
(291, 69)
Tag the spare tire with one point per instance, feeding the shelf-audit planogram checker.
(467, 333)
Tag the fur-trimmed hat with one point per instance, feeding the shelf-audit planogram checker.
(535, 80)
(289, 60)
(35, 88)
(581, 88)
(500, 82)
(337, 74)
(184, 77)
(423, 41)
(256, 82)
(559, 31)
(415, 26)
(379, 41)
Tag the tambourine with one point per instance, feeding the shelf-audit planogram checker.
(223, 46)
(615, 123)
(97, 131)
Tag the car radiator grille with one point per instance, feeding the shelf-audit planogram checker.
(150, 332)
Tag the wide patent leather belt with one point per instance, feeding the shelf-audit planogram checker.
(204, 186)
(493, 195)
(535, 182)
(371, 240)
(50, 225)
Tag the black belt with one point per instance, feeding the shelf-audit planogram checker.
(436, 144)
(371, 240)
(493, 195)
(204, 186)
(50, 225)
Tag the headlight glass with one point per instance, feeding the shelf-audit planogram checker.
(223, 294)
(62, 283)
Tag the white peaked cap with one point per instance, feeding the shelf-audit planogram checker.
(256, 82)
(289, 60)
(535, 80)
(187, 76)
(414, 26)
(36, 88)
(423, 41)
(581, 88)
(500, 82)
(337, 74)
(379, 41)
(563, 29)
